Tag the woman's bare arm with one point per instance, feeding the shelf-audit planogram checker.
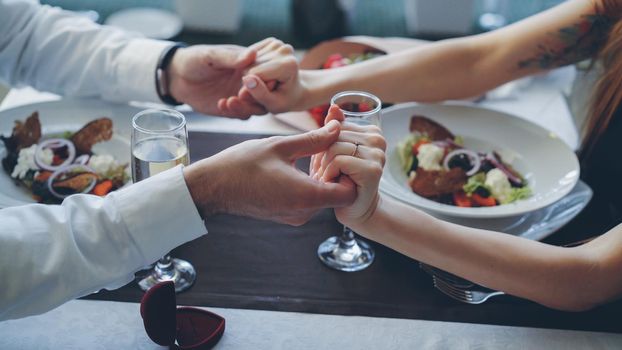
(564, 278)
(466, 67)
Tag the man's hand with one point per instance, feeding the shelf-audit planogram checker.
(258, 178)
(272, 82)
(202, 74)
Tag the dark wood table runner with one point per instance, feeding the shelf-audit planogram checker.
(252, 264)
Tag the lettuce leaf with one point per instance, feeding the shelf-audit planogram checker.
(474, 182)
(518, 193)
(405, 149)
(459, 140)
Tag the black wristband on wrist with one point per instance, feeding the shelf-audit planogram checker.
(161, 78)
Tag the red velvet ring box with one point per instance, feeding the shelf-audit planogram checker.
(165, 323)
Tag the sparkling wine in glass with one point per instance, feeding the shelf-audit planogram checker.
(160, 142)
(345, 252)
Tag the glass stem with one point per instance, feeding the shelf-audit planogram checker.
(165, 268)
(346, 240)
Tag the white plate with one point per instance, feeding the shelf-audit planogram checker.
(61, 116)
(547, 163)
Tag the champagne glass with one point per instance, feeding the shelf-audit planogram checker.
(345, 252)
(160, 142)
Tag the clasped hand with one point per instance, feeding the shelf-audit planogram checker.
(212, 78)
(258, 178)
(356, 158)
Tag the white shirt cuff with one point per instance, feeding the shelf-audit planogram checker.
(136, 70)
(159, 213)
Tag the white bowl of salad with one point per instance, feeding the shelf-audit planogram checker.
(466, 161)
(74, 146)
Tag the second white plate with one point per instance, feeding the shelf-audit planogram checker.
(58, 117)
(547, 163)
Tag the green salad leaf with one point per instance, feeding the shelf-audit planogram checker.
(518, 193)
(459, 140)
(405, 150)
(116, 174)
(474, 182)
(478, 180)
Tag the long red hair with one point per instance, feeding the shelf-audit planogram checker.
(607, 96)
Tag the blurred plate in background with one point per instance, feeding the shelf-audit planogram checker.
(152, 23)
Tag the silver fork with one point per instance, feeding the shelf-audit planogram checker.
(469, 296)
(466, 291)
(450, 278)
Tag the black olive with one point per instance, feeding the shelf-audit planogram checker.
(62, 152)
(460, 161)
(517, 185)
(446, 199)
(9, 162)
(486, 166)
(415, 164)
(40, 188)
(482, 191)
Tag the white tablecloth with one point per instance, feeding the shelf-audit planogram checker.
(83, 324)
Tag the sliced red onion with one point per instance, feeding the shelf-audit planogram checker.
(68, 168)
(447, 143)
(83, 159)
(54, 144)
(475, 161)
(494, 158)
(453, 143)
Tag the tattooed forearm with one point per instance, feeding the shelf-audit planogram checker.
(571, 44)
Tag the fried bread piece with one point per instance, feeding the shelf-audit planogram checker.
(437, 183)
(95, 131)
(434, 130)
(25, 134)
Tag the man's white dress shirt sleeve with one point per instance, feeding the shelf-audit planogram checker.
(56, 51)
(50, 254)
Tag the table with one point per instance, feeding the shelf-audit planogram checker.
(72, 326)
(118, 325)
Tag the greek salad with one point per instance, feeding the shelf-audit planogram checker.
(439, 167)
(58, 166)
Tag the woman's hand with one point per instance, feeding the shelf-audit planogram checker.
(358, 156)
(272, 82)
